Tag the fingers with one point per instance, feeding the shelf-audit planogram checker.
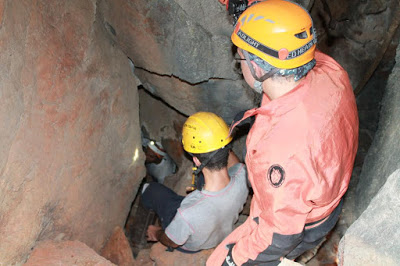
(151, 232)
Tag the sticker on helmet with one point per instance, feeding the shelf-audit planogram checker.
(276, 175)
(302, 50)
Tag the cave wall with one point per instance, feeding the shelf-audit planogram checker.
(181, 51)
(70, 155)
(374, 238)
(356, 33)
(383, 156)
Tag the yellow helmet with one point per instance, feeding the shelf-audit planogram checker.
(205, 132)
(278, 31)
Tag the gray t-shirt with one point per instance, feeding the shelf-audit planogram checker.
(205, 218)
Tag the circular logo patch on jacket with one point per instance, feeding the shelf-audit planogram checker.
(276, 175)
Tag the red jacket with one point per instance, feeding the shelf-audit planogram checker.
(300, 155)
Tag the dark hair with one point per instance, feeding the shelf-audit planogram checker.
(218, 160)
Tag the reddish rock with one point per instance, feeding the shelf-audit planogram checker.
(1, 10)
(70, 157)
(118, 250)
(65, 253)
(143, 258)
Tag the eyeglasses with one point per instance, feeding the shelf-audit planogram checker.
(237, 67)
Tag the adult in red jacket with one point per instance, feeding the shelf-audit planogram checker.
(302, 145)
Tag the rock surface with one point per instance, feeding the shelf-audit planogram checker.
(344, 31)
(143, 258)
(70, 156)
(382, 158)
(117, 250)
(182, 53)
(374, 239)
(76, 253)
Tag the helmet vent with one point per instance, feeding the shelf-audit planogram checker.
(244, 19)
(250, 17)
(301, 35)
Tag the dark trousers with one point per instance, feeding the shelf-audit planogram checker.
(314, 236)
(163, 201)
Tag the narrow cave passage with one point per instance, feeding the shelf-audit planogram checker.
(73, 164)
(369, 105)
(369, 100)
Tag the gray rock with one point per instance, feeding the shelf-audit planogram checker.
(344, 30)
(182, 53)
(383, 156)
(374, 239)
(71, 155)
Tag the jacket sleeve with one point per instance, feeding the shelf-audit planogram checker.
(281, 208)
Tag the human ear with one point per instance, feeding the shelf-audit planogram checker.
(257, 69)
(196, 161)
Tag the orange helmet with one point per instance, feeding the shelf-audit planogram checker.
(278, 31)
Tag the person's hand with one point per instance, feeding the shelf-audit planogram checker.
(152, 233)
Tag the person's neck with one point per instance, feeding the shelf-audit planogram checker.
(276, 87)
(215, 180)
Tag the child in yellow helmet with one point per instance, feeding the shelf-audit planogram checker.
(202, 219)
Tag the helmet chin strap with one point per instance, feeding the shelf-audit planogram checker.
(258, 87)
(203, 164)
(253, 72)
